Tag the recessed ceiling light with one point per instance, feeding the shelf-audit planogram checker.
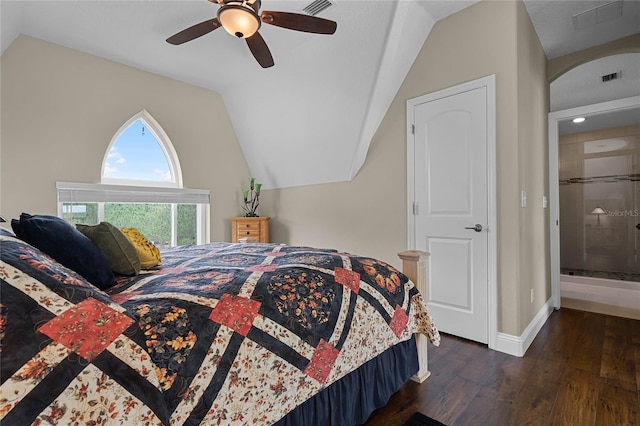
(579, 119)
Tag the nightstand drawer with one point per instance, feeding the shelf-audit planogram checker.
(250, 229)
(248, 226)
(242, 232)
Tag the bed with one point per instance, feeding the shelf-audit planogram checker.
(246, 334)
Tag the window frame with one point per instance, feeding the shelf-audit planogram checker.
(114, 190)
(74, 192)
(165, 144)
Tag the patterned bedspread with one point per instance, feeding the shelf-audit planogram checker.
(220, 334)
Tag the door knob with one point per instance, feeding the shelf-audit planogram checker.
(476, 228)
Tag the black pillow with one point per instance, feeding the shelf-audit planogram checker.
(17, 229)
(67, 245)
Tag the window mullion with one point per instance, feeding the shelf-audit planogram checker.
(100, 212)
(202, 221)
(199, 224)
(174, 225)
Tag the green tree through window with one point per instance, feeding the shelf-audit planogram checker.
(139, 170)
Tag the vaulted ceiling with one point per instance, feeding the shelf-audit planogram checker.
(310, 118)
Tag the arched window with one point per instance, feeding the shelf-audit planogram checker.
(141, 187)
(140, 153)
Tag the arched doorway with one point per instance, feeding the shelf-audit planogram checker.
(603, 105)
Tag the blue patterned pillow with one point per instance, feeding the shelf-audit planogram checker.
(67, 245)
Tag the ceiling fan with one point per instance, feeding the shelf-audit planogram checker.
(242, 18)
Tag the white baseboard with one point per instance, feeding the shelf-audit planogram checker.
(518, 345)
(620, 298)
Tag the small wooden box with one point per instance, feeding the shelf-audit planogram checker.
(251, 228)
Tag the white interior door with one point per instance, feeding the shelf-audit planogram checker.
(451, 211)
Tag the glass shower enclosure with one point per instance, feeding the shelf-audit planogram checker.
(599, 173)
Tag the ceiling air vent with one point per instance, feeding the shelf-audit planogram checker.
(317, 6)
(610, 77)
(597, 15)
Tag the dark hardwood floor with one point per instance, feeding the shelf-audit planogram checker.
(581, 369)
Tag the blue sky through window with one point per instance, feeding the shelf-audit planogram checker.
(137, 155)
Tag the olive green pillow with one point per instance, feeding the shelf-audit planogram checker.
(120, 252)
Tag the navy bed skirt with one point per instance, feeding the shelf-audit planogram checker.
(351, 400)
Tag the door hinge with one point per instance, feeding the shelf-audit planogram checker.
(413, 129)
(415, 208)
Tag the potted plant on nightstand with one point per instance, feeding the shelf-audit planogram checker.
(251, 198)
(250, 228)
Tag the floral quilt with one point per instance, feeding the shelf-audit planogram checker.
(219, 334)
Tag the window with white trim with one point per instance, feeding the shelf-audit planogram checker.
(141, 187)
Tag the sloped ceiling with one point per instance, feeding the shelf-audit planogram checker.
(310, 118)
(567, 26)
(307, 120)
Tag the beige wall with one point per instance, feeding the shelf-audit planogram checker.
(61, 107)
(64, 106)
(562, 64)
(368, 215)
(533, 164)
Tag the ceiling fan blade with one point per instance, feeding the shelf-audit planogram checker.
(195, 31)
(260, 50)
(299, 22)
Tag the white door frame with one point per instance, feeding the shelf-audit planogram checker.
(554, 186)
(489, 83)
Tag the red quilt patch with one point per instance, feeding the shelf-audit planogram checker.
(262, 268)
(349, 279)
(399, 321)
(120, 298)
(87, 328)
(322, 361)
(236, 312)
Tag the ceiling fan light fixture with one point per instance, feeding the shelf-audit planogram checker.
(238, 20)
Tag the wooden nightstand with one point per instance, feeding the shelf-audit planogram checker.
(250, 227)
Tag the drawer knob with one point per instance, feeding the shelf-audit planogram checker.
(247, 225)
(248, 232)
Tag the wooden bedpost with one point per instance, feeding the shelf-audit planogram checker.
(414, 266)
